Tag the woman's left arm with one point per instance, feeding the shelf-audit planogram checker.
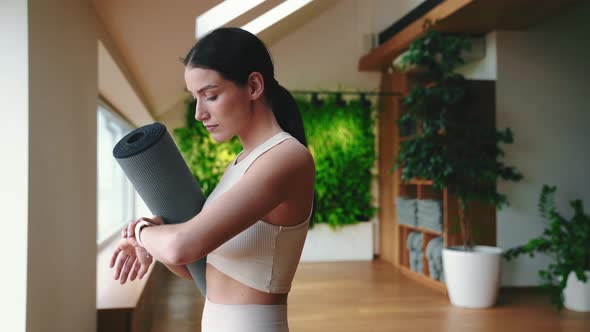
(269, 182)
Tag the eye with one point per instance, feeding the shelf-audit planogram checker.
(212, 98)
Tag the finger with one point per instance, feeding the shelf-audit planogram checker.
(157, 220)
(124, 232)
(128, 265)
(120, 264)
(143, 270)
(131, 228)
(114, 257)
(135, 269)
(154, 220)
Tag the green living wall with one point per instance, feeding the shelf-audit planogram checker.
(341, 140)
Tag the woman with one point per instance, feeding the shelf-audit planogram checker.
(253, 225)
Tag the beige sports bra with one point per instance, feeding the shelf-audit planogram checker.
(264, 256)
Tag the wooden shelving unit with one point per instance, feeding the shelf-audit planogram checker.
(419, 182)
(394, 235)
(423, 189)
(405, 138)
(420, 229)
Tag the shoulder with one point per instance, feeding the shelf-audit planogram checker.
(293, 152)
(286, 158)
(290, 154)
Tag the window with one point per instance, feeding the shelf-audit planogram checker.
(116, 197)
(274, 15)
(223, 13)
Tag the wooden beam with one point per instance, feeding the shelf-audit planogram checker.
(387, 229)
(467, 17)
(382, 56)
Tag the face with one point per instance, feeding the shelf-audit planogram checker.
(223, 107)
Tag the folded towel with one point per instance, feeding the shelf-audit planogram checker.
(429, 213)
(406, 211)
(416, 263)
(410, 240)
(434, 256)
(429, 203)
(434, 247)
(414, 241)
(434, 272)
(418, 241)
(406, 220)
(414, 245)
(432, 220)
(418, 266)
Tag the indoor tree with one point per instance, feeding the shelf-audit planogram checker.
(454, 148)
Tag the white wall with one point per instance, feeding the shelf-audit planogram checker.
(174, 118)
(542, 94)
(483, 69)
(386, 12)
(329, 59)
(14, 141)
(114, 86)
(49, 81)
(324, 53)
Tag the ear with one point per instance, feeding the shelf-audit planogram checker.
(255, 85)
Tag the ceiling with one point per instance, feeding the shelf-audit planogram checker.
(152, 35)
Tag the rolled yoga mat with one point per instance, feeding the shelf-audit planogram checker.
(155, 167)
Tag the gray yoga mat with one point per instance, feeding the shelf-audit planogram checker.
(150, 159)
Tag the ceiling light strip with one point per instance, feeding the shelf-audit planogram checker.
(274, 15)
(221, 14)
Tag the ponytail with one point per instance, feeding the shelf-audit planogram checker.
(286, 111)
(289, 118)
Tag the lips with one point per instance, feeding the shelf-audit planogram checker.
(209, 127)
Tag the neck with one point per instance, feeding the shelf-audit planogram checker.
(262, 125)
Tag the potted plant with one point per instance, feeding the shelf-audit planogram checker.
(568, 243)
(456, 151)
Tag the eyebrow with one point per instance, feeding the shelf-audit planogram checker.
(207, 87)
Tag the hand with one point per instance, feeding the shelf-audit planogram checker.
(132, 258)
(129, 232)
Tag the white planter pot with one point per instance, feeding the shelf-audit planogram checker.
(346, 243)
(577, 294)
(472, 278)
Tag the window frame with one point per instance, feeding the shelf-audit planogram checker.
(114, 232)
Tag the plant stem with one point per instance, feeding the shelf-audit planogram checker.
(465, 225)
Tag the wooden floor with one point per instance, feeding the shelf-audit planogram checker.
(375, 296)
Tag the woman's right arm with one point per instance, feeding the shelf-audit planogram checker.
(180, 270)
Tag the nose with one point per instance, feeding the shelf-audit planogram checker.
(200, 113)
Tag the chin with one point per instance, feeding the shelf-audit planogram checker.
(220, 138)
